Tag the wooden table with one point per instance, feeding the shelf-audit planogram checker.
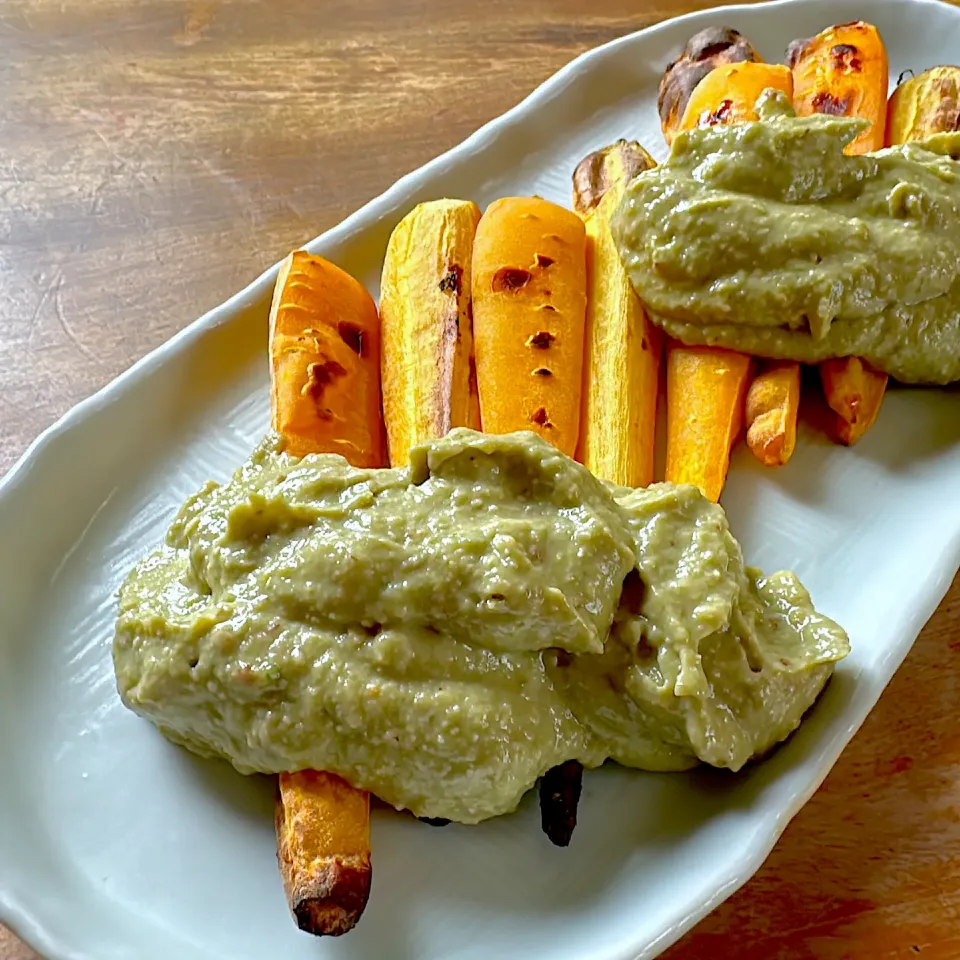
(157, 154)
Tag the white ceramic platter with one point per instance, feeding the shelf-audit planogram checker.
(115, 844)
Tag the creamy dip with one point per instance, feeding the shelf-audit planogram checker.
(767, 238)
(444, 633)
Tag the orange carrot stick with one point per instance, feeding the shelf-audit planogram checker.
(529, 308)
(325, 362)
(706, 388)
(325, 397)
(926, 104)
(773, 402)
(728, 94)
(843, 71)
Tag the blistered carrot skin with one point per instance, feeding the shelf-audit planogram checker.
(622, 352)
(325, 362)
(429, 384)
(529, 312)
(704, 52)
(843, 71)
(772, 406)
(706, 390)
(729, 94)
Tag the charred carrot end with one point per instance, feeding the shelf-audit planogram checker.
(844, 71)
(925, 105)
(622, 351)
(705, 51)
(428, 325)
(323, 849)
(325, 362)
(772, 405)
(729, 94)
(706, 389)
(529, 310)
(612, 166)
(854, 391)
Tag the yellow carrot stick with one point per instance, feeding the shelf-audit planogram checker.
(623, 349)
(772, 405)
(429, 384)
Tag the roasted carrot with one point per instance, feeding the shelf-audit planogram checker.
(854, 391)
(706, 388)
(529, 308)
(729, 94)
(843, 71)
(323, 848)
(597, 172)
(773, 401)
(429, 384)
(623, 348)
(325, 362)
(704, 52)
(325, 397)
(924, 105)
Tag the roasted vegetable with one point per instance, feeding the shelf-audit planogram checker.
(925, 105)
(622, 348)
(704, 52)
(559, 798)
(325, 397)
(706, 388)
(529, 309)
(325, 362)
(843, 71)
(597, 172)
(730, 93)
(323, 848)
(854, 391)
(772, 405)
(429, 384)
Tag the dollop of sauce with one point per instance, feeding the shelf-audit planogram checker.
(444, 633)
(767, 238)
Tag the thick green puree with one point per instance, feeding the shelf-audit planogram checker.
(765, 237)
(443, 634)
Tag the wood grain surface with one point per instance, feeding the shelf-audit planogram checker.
(158, 154)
